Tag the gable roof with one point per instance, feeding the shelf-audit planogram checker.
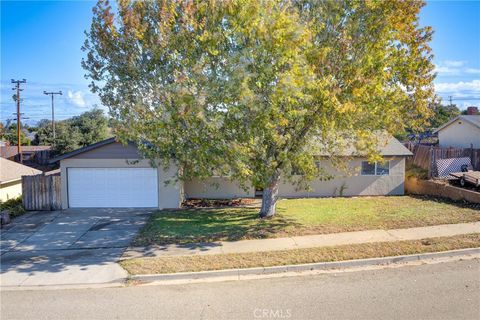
(11, 170)
(472, 119)
(83, 149)
(387, 146)
(392, 147)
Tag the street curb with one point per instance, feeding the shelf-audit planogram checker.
(236, 274)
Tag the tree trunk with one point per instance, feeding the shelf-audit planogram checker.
(269, 198)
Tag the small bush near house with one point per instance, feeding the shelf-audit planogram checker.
(413, 171)
(13, 206)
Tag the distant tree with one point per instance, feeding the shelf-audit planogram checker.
(73, 133)
(9, 134)
(91, 125)
(255, 88)
(442, 114)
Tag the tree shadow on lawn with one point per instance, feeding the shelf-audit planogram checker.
(204, 225)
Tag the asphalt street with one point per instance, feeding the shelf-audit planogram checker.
(449, 290)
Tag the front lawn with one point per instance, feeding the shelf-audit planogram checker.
(194, 263)
(303, 217)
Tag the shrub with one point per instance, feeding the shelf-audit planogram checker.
(13, 206)
(413, 171)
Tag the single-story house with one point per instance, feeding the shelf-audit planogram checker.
(109, 174)
(11, 178)
(461, 132)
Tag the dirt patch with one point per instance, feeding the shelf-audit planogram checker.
(218, 203)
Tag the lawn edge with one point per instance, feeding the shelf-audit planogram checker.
(238, 273)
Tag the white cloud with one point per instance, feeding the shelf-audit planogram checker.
(446, 70)
(454, 67)
(453, 63)
(472, 87)
(472, 70)
(76, 97)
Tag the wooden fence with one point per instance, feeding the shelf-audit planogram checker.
(41, 192)
(425, 156)
(42, 156)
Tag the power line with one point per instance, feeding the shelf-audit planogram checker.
(19, 125)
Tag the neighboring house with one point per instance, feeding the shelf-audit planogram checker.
(460, 132)
(28, 152)
(11, 178)
(108, 174)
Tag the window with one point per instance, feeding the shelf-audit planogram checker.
(368, 169)
(383, 169)
(375, 169)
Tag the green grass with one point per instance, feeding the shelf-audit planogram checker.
(303, 217)
(195, 263)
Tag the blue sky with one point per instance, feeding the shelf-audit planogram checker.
(41, 41)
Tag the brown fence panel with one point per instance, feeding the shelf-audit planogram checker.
(425, 156)
(41, 192)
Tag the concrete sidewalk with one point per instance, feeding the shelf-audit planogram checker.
(324, 240)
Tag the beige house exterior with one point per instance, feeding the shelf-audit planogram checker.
(105, 175)
(11, 178)
(110, 154)
(461, 132)
(347, 183)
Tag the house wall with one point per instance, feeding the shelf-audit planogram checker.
(459, 134)
(216, 188)
(354, 184)
(169, 195)
(10, 190)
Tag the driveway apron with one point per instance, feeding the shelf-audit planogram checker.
(78, 246)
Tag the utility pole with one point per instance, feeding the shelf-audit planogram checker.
(450, 98)
(19, 125)
(53, 111)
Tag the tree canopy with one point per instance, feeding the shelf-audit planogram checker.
(79, 131)
(253, 89)
(442, 114)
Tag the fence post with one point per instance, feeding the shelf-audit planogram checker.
(430, 162)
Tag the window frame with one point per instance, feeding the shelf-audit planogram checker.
(375, 169)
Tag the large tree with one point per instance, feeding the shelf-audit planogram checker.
(257, 89)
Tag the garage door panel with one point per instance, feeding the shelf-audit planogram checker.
(112, 187)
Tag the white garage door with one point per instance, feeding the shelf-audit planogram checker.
(112, 187)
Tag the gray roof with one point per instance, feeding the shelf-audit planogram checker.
(11, 171)
(394, 148)
(472, 119)
(387, 145)
(84, 149)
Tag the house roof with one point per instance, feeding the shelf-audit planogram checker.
(11, 151)
(394, 148)
(11, 170)
(83, 149)
(391, 147)
(472, 119)
(387, 146)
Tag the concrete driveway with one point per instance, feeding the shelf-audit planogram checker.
(78, 246)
